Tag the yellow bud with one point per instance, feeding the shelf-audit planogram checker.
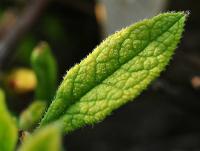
(21, 80)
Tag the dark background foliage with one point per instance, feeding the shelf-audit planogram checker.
(165, 117)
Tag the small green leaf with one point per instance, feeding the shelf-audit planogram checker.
(117, 71)
(32, 115)
(45, 67)
(45, 139)
(8, 130)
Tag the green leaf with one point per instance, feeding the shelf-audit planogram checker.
(45, 139)
(117, 71)
(32, 115)
(8, 130)
(45, 67)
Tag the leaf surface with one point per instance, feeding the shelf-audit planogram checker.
(30, 117)
(8, 129)
(117, 71)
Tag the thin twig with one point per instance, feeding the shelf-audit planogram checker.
(30, 15)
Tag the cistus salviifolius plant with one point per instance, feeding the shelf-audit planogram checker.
(116, 72)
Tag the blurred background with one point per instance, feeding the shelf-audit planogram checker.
(164, 117)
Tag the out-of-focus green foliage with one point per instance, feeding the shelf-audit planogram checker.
(45, 67)
(25, 49)
(1, 13)
(8, 129)
(45, 139)
(53, 28)
(31, 116)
